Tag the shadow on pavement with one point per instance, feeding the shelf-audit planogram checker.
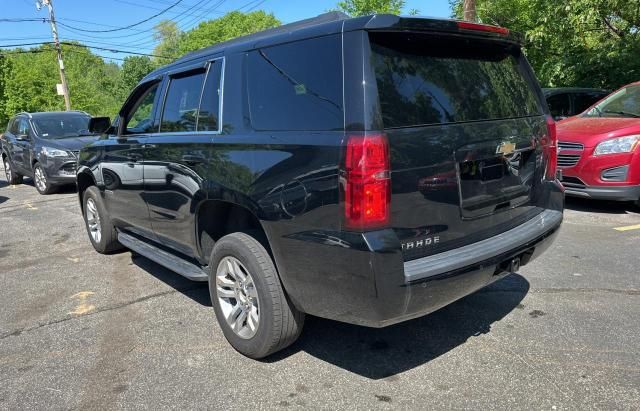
(198, 292)
(386, 352)
(382, 353)
(3, 184)
(3, 199)
(67, 189)
(600, 206)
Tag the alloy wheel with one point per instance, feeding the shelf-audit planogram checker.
(238, 297)
(41, 179)
(93, 220)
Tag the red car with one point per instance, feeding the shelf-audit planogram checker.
(598, 149)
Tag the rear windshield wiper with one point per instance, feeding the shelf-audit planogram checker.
(622, 113)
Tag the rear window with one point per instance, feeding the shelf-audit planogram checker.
(426, 80)
(297, 86)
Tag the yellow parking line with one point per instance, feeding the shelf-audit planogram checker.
(628, 228)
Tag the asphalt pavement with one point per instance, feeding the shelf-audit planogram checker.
(79, 330)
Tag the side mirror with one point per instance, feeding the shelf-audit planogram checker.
(22, 137)
(99, 125)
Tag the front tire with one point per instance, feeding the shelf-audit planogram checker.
(102, 233)
(12, 176)
(250, 304)
(41, 181)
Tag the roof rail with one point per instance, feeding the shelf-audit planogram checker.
(25, 113)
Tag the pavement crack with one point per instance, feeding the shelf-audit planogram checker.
(106, 308)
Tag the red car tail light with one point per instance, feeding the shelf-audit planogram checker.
(551, 149)
(368, 184)
(465, 25)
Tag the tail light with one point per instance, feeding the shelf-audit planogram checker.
(466, 25)
(368, 184)
(551, 149)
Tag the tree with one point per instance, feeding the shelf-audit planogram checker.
(30, 78)
(133, 70)
(469, 10)
(229, 26)
(589, 43)
(365, 7)
(169, 35)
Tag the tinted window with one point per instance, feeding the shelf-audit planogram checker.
(141, 116)
(426, 80)
(297, 86)
(62, 127)
(182, 101)
(559, 105)
(583, 101)
(210, 105)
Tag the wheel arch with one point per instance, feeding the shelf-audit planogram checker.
(84, 180)
(217, 218)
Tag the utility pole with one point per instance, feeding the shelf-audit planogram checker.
(469, 7)
(56, 42)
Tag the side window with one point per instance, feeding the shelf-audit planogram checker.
(583, 101)
(140, 118)
(210, 105)
(23, 127)
(297, 86)
(559, 105)
(181, 104)
(13, 127)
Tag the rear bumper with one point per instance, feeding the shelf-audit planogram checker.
(363, 279)
(497, 248)
(617, 193)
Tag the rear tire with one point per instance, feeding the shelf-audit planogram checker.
(12, 176)
(41, 181)
(250, 304)
(102, 233)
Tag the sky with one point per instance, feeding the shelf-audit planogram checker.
(109, 14)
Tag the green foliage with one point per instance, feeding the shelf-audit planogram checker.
(589, 43)
(227, 27)
(133, 70)
(29, 82)
(366, 7)
(169, 35)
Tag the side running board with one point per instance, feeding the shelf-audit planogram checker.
(164, 258)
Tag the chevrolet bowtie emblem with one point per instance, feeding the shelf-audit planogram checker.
(506, 148)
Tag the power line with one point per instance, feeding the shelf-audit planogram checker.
(8, 53)
(129, 26)
(23, 20)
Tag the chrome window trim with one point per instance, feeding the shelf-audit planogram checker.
(207, 67)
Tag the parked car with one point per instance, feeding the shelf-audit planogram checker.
(44, 146)
(599, 154)
(299, 167)
(569, 101)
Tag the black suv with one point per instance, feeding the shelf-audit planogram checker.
(367, 170)
(44, 146)
(565, 102)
